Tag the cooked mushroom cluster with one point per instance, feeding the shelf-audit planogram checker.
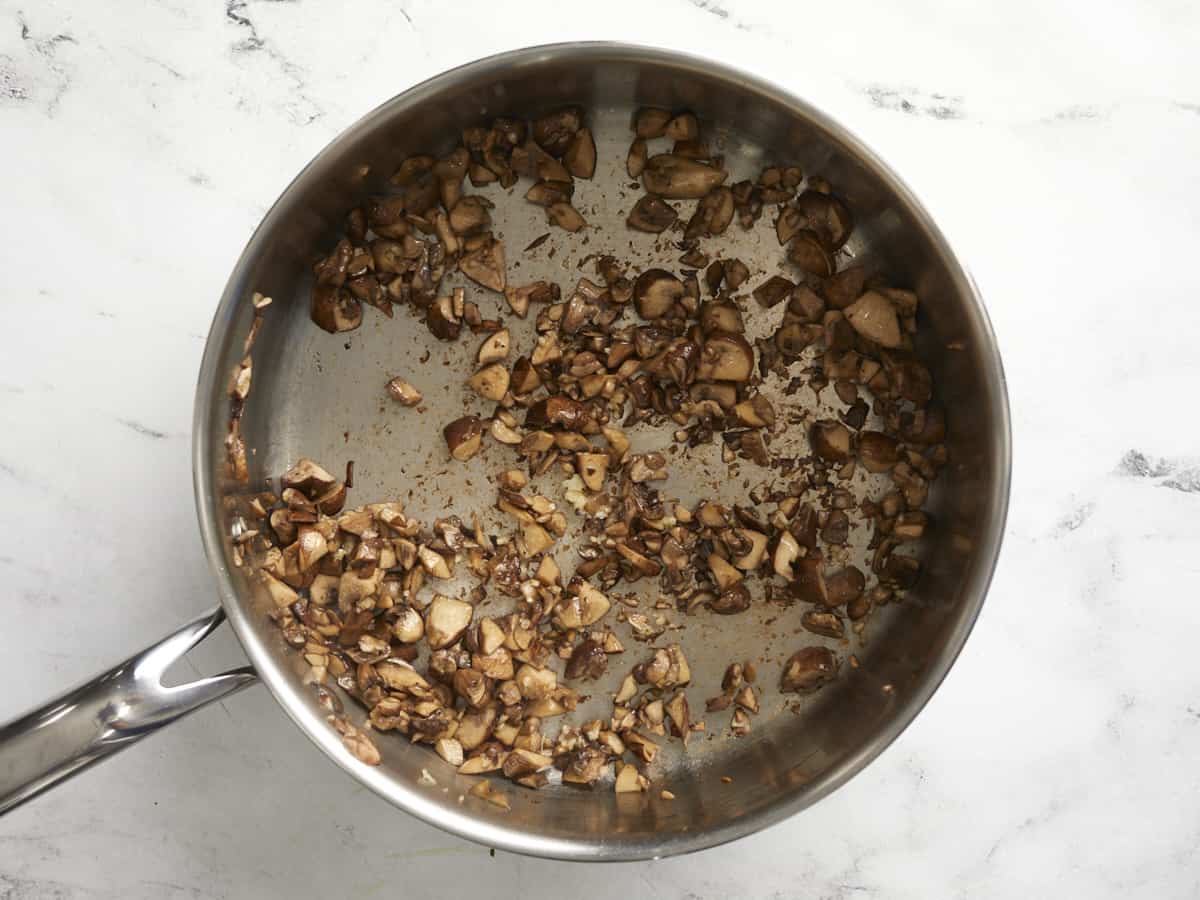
(372, 598)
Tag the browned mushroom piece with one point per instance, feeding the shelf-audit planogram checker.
(734, 599)
(830, 440)
(554, 131)
(878, 452)
(725, 357)
(565, 216)
(519, 298)
(445, 620)
(843, 586)
(558, 410)
(827, 216)
(808, 670)
(580, 156)
(651, 122)
(678, 178)
(403, 392)
(655, 292)
(874, 317)
(721, 316)
(464, 437)
(807, 252)
(335, 310)
(485, 265)
(491, 382)
(736, 273)
(845, 287)
(713, 214)
(587, 661)
(635, 160)
(651, 214)
(441, 319)
(547, 193)
(823, 622)
(773, 291)
(470, 215)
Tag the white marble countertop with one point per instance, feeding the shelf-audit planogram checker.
(1057, 144)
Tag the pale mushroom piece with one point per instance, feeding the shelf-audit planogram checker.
(403, 393)
(740, 723)
(504, 433)
(750, 560)
(450, 750)
(592, 468)
(756, 412)
(724, 574)
(680, 715)
(534, 682)
(495, 348)
(409, 627)
(584, 608)
(725, 357)
(787, 551)
(485, 791)
(629, 780)
(485, 265)
(874, 317)
(627, 690)
(655, 292)
(445, 620)
(747, 699)
(434, 563)
(535, 539)
(491, 382)
(308, 478)
(400, 676)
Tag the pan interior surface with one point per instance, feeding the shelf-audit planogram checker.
(321, 396)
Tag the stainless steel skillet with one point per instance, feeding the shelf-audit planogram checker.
(318, 395)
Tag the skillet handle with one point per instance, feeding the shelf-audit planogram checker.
(107, 714)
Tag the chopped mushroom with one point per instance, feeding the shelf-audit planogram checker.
(808, 670)
(490, 382)
(655, 292)
(464, 437)
(651, 214)
(485, 265)
(874, 317)
(580, 156)
(446, 620)
(403, 392)
(495, 348)
(679, 178)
